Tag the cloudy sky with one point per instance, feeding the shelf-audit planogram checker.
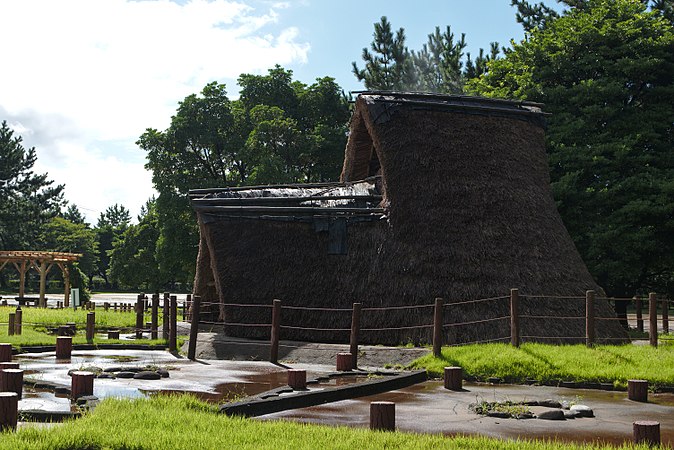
(82, 79)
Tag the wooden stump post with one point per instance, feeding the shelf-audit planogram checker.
(275, 331)
(113, 334)
(18, 321)
(91, 324)
(5, 352)
(139, 316)
(106, 306)
(82, 383)
(173, 330)
(186, 303)
(64, 347)
(194, 328)
(453, 378)
(9, 365)
(640, 319)
(437, 328)
(10, 324)
(64, 330)
(637, 390)
(344, 362)
(154, 316)
(165, 316)
(514, 317)
(646, 432)
(9, 410)
(653, 319)
(355, 332)
(665, 316)
(383, 416)
(589, 318)
(297, 379)
(11, 380)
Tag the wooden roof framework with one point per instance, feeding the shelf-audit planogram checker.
(42, 262)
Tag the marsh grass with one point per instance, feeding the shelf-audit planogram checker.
(604, 363)
(182, 422)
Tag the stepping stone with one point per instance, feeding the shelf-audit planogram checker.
(571, 414)
(147, 375)
(163, 373)
(552, 414)
(126, 374)
(548, 403)
(583, 411)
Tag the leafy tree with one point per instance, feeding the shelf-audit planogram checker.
(605, 70)
(73, 214)
(27, 200)
(110, 226)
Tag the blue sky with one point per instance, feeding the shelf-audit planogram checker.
(88, 77)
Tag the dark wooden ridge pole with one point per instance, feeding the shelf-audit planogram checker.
(514, 317)
(165, 317)
(640, 319)
(91, 325)
(355, 331)
(437, 328)
(173, 330)
(589, 318)
(139, 315)
(154, 334)
(275, 331)
(194, 327)
(653, 319)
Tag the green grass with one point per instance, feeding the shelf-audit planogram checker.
(183, 422)
(615, 364)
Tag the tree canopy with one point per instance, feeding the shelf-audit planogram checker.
(605, 70)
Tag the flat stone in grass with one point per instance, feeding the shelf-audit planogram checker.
(147, 375)
(126, 374)
(549, 403)
(582, 410)
(163, 373)
(551, 414)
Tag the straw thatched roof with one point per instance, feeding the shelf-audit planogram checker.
(455, 204)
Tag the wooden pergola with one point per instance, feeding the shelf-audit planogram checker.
(42, 262)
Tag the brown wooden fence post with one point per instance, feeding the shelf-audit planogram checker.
(646, 432)
(514, 317)
(139, 315)
(194, 327)
(11, 380)
(9, 410)
(275, 331)
(5, 352)
(355, 331)
(10, 324)
(186, 304)
(154, 332)
(653, 319)
(18, 321)
(64, 347)
(383, 416)
(589, 318)
(165, 316)
(91, 324)
(173, 330)
(640, 319)
(665, 316)
(637, 390)
(437, 328)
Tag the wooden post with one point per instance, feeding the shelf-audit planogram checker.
(637, 390)
(11, 380)
(106, 306)
(82, 383)
(165, 316)
(9, 365)
(186, 303)
(665, 316)
(383, 416)
(139, 316)
(9, 410)
(43, 283)
(344, 362)
(113, 334)
(5, 352)
(154, 333)
(22, 278)
(64, 347)
(437, 328)
(194, 328)
(355, 331)
(18, 321)
(10, 324)
(653, 319)
(173, 330)
(640, 319)
(453, 378)
(91, 323)
(275, 331)
(514, 317)
(589, 318)
(646, 432)
(297, 379)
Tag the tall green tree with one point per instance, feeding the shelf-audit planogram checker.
(112, 223)
(605, 70)
(27, 200)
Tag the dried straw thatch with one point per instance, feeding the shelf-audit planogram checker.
(455, 204)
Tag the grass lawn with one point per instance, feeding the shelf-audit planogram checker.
(36, 320)
(184, 423)
(603, 363)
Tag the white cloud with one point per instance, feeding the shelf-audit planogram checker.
(80, 73)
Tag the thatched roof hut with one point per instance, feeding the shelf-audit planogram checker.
(440, 196)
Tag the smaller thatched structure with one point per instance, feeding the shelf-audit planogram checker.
(441, 196)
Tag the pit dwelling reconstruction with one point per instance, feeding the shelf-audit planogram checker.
(440, 196)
